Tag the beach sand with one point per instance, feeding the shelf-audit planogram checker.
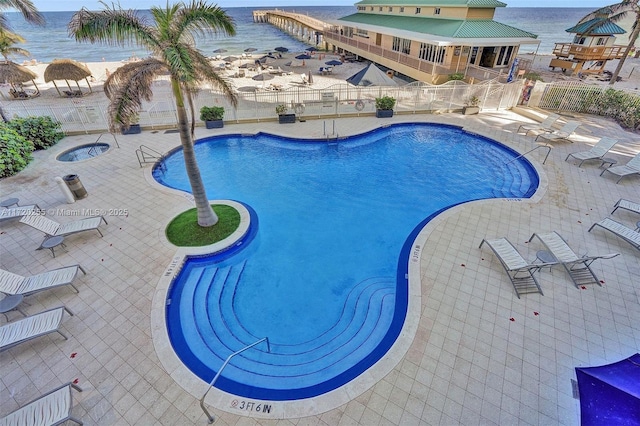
(292, 76)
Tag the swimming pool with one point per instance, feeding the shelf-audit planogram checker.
(323, 275)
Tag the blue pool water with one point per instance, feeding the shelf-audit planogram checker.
(322, 270)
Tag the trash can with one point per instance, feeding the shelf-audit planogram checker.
(76, 187)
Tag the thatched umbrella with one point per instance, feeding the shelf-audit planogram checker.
(67, 69)
(15, 75)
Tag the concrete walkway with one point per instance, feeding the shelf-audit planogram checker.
(480, 355)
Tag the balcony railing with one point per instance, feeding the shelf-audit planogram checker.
(588, 53)
(401, 58)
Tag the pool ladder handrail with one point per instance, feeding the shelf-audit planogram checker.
(333, 131)
(93, 150)
(206, 412)
(147, 155)
(532, 149)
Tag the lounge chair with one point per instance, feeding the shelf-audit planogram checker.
(12, 284)
(619, 230)
(596, 152)
(631, 168)
(520, 271)
(31, 327)
(578, 267)
(545, 126)
(563, 134)
(52, 408)
(53, 228)
(16, 212)
(626, 205)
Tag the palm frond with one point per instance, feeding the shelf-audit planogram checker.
(127, 87)
(613, 12)
(112, 26)
(199, 18)
(25, 7)
(207, 73)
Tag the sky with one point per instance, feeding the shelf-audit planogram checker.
(73, 5)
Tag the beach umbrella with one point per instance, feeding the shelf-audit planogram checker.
(312, 49)
(262, 77)
(250, 49)
(67, 69)
(15, 75)
(333, 62)
(220, 51)
(281, 49)
(230, 58)
(371, 76)
(303, 56)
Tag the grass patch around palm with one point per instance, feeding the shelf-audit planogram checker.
(184, 231)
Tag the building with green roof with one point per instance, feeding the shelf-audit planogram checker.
(592, 46)
(430, 39)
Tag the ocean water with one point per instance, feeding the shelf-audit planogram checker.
(53, 41)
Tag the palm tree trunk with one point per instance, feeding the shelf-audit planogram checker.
(206, 215)
(632, 42)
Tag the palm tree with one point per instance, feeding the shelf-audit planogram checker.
(615, 13)
(26, 7)
(7, 42)
(172, 43)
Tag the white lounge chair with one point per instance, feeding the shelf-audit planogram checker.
(631, 168)
(52, 408)
(545, 126)
(596, 152)
(520, 271)
(53, 228)
(31, 327)
(16, 212)
(563, 134)
(578, 267)
(12, 284)
(626, 205)
(619, 230)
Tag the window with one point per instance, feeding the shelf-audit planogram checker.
(436, 11)
(380, 9)
(418, 10)
(401, 45)
(579, 40)
(362, 33)
(390, 9)
(431, 53)
(601, 41)
(371, 9)
(402, 10)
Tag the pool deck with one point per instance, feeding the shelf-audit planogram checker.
(480, 355)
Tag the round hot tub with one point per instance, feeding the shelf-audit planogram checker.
(84, 152)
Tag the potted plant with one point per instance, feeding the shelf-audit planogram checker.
(212, 116)
(283, 117)
(384, 106)
(472, 106)
(134, 128)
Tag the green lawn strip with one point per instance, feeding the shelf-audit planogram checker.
(184, 231)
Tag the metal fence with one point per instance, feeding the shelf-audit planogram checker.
(88, 115)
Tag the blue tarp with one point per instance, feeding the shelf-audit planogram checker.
(610, 394)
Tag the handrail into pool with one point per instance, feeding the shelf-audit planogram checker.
(209, 416)
(147, 155)
(533, 149)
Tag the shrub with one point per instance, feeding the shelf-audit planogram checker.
(281, 109)
(456, 76)
(533, 76)
(42, 131)
(15, 151)
(211, 113)
(385, 103)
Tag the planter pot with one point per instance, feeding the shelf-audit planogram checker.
(214, 124)
(286, 118)
(134, 129)
(469, 110)
(384, 113)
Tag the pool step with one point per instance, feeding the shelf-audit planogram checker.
(366, 316)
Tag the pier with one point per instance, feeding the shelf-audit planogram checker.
(302, 27)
